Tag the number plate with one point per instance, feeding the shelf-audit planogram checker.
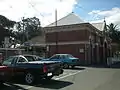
(49, 74)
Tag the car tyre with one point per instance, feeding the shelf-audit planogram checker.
(29, 78)
(65, 66)
(73, 67)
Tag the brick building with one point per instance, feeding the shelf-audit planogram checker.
(74, 36)
(83, 40)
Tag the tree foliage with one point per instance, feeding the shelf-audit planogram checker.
(113, 32)
(6, 26)
(27, 29)
(6, 23)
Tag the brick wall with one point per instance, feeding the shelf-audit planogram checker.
(68, 36)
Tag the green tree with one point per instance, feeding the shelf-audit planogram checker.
(113, 32)
(28, 28)
(6, 23)
(6, 27)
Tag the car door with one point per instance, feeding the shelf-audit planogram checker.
(65, 59)
(62, 58)
(9, 64)
(20, 66)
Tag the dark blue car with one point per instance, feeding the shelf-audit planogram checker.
(67, 60)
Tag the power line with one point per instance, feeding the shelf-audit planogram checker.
(36, 9)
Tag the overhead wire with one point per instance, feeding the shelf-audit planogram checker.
(77, 6)
(36, 9)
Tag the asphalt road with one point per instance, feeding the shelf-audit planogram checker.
(81, 78)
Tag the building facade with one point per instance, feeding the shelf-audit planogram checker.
(72, 35)
(81, 40)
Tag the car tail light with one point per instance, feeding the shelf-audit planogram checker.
(45, 68)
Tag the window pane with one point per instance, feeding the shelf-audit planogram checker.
(29, 58)
(63, 56)
(69, 56)
(8, 61)
(54, 57)
(21, 59)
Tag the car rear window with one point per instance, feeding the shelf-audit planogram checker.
(29, 58)
(70, 56)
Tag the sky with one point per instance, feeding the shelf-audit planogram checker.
(89, 10)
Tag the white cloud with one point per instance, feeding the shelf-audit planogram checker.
(43, 9)
(111, 16)
(105, 13)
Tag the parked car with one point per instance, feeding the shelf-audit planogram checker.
(29, 69)
(66, 59)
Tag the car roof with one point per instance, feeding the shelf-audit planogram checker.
(62, 54)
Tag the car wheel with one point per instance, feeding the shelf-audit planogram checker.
(29, 78)
(65, 66)
(72, 66)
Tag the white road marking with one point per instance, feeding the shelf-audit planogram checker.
(60, 75)
(67, 73)
(6, 84)
(33, 86)
(29, 87)
(70, 74)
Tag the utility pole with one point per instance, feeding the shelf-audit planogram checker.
(24, 33)
(23, 29)
(27, 32)
(27, 37)
(56, 33)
